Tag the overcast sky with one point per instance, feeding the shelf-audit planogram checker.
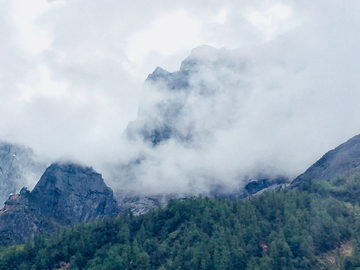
(71, 72)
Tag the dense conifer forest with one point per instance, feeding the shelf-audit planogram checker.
(301, 229)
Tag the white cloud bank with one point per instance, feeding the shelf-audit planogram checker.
(71, 74)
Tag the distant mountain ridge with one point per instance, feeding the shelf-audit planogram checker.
(181, 115)
(344, 159)
(69, 194)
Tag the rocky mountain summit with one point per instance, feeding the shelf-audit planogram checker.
(342, 161)
(166, 111)
(66, 194)
(71, 194)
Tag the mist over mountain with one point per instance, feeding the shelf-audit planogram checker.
(253, 112)
(71, 83)
(227, 117)
(19, 167)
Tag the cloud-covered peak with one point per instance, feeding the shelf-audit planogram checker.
(227, 116)
(191, 129)
(72, 73)
(203, 56)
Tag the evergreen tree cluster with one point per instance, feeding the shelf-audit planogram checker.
(282, 230)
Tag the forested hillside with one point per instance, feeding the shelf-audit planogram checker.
(301, 229)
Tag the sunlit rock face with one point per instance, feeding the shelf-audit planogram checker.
(18, 167)
(66, 194)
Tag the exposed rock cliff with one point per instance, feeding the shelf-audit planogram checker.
(71, 193)
(18, 220)
(66, 194)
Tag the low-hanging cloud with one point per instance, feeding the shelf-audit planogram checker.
(284, 97)
(272, 110)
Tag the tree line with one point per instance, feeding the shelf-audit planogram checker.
(276, 230)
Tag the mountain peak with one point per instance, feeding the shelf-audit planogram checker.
(68, 177)
(73, 193)
(66, 194)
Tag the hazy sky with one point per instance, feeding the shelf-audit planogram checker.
(71, 72)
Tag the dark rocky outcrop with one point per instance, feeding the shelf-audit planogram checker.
(260, 185)
(18, 220)
(72, 194)
(344, 159)
(66, 194)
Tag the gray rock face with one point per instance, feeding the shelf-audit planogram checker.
(72, 194)
(172, 116)
(141, 204)
(18, 220)
(343, 159)
(65, 195)
(17, 165)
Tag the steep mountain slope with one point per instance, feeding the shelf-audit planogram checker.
(18, 166)
(66, 194)
(343, 161)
